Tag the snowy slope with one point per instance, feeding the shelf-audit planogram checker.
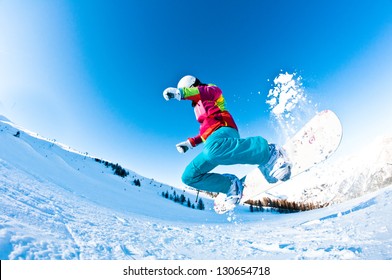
(56, 203)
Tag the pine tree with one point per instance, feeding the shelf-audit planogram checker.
(182, 199)
(136, 182)
(260, 206)
(200, 205)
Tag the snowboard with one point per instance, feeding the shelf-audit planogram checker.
(315, 142)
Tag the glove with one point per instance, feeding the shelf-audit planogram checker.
(183, 147)
(171, 92)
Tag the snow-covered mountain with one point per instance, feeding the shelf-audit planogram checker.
(57, 203)
(354, 176)
(345, 178)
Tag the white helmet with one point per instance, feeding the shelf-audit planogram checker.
(188, 81)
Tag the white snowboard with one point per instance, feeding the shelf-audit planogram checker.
(312, 144)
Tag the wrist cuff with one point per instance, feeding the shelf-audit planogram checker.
(192, 141)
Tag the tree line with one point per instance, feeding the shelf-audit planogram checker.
(181, 199)
(267, 204)
(118, 170)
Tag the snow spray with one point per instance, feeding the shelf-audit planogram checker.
(289, 106)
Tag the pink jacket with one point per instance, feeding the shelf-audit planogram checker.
(210, 110)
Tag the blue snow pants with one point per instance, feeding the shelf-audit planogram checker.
(224, 147)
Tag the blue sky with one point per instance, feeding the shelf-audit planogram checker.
(90, 74)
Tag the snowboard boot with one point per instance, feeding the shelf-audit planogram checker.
(234, 194)
(278, 166)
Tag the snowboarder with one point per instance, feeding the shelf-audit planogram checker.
(222, 143)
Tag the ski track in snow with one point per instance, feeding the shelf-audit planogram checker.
(59, 205)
